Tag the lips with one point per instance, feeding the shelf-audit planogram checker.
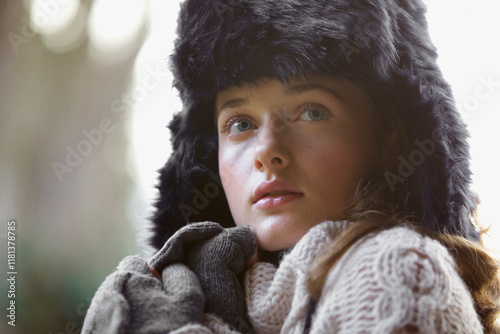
(274, 194)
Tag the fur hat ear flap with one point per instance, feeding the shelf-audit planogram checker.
(190, 189)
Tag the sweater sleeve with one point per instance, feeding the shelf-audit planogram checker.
(396, 281)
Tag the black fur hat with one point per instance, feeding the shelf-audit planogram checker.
(376, 43)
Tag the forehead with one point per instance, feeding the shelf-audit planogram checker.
(341, 88)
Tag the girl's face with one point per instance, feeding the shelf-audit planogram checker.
(291, 156)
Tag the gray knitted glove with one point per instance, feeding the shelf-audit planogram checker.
(217, 256)
(132, 300)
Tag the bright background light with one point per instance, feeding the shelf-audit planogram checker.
(466, 36)
(60, 23)
(48, 17)
(150, 136)
(113, 26)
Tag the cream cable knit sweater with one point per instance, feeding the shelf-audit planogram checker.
(396, 281)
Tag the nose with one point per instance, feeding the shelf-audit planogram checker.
(271, 151)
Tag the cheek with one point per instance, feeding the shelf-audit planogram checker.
(233, 162)
(335, 168)
(227, 165)
(233, 166)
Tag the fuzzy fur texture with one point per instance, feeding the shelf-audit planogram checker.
(375, 43)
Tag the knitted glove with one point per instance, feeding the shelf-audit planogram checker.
(132, 300)
(217, 256)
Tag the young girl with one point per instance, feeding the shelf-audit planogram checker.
(325, 132)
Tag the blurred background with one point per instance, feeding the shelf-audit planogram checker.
(85, 97)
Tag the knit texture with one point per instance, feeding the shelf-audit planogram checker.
(271, 292)
(396, 281)
(132, 300)
(217, 256)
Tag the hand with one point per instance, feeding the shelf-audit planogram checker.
(217, 256)
(132, 300)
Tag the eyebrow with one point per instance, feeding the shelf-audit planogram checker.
(234, 103)
(302, 88)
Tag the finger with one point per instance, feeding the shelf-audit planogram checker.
(133, 264)
(174, 249)
(245, 239)
(179, 280)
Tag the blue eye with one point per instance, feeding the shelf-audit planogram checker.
(241, 125)
(314, 115)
